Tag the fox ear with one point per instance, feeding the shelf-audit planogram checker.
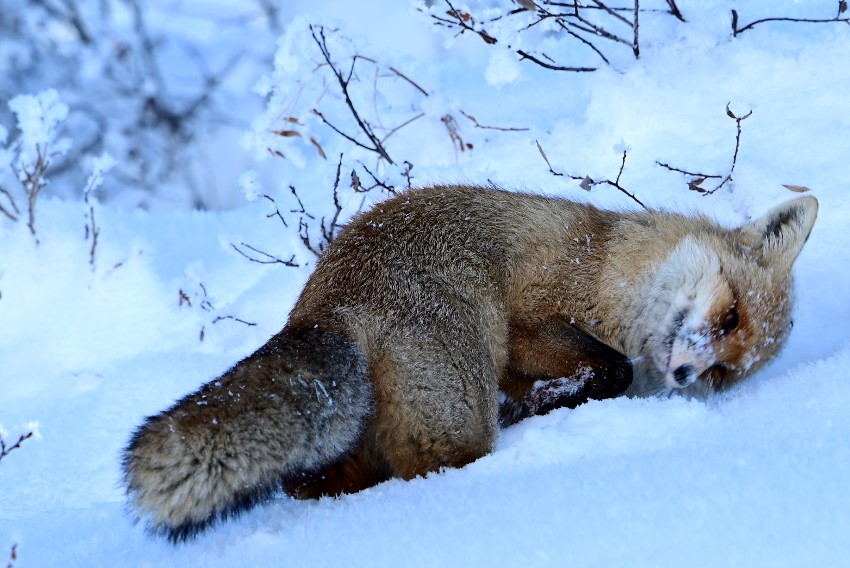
(782, 232)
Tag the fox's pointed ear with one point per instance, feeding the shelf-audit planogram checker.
(781, 233)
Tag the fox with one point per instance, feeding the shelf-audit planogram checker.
(446, 312)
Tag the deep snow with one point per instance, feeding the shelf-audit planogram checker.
(757, 477)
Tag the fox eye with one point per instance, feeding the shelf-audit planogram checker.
(730, 322)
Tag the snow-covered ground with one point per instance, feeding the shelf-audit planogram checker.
(759, 476)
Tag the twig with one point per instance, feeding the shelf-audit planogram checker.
(330, 233)
(545, 159)
(616, 183)
(377, 146)
(6, 212)
(6, 450)
(407, 173)
(233, 318)
(13, 555)
(738, 120)
(409, 80)
(686, 172)
(91, 226)
(206, 305)
(588, 183)
(842, 7)
(503, 129)
(524, 55)
(695, 184)
(402, 125)
(461, 18)
(359, 188)
(572, 18)
(276, 210)
(33, 183)
(264, 258)
(636, 43)
(301, 205)
(674, 10)
(329, 230)
(454, 134)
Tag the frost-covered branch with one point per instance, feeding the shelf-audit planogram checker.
(158, 91)
(28, 157)
(101, 166)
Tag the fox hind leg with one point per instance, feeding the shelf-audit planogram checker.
(435, 405)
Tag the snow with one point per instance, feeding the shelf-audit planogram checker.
(759, 476)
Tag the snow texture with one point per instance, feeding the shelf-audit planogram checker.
(759, 476)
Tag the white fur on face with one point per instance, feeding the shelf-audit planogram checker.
(689, 283)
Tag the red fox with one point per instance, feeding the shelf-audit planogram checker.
(429, 309)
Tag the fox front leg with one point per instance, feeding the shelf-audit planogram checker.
(555, 364)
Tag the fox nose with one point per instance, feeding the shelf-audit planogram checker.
(684, 375)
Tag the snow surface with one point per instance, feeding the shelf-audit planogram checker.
(757, 477)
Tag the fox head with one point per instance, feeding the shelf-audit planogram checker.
(721, 302)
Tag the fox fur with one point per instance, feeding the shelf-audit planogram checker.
(430, 308)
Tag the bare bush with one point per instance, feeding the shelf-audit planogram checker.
(113, 60)
(592, 26)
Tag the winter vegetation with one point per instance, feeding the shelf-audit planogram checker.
(170, 172)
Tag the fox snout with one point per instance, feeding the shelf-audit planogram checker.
(686, 353)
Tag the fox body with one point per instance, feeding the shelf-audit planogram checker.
(429, 309)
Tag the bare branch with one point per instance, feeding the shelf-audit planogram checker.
(6, 450)
(545, 159)
(697, 179)
(686, 172)
(13, 555)
(409, 80)
(276, 210)
(738, 30)
(501, 128)
(461, 18)
(674, 10)
(233, 318)
(588, 183)
(6, 212)
(376, 145)
(402, 125)
(525, 55)
(264, 257)
(359, 188)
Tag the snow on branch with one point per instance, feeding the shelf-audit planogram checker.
(27, 158)
(100, 167)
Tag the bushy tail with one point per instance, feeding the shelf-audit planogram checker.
(299, 403)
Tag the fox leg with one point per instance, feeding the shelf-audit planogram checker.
(436, 403)
(552, 364)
